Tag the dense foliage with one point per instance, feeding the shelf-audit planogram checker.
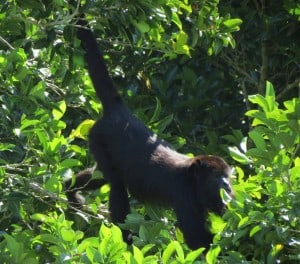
(215, 77)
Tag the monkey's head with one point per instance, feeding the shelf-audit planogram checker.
(211, 174)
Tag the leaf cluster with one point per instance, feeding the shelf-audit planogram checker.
(263, 221)
(182, 53)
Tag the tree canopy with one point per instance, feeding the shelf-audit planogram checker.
(209, 76)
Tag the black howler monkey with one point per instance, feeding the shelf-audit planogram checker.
(134, 159)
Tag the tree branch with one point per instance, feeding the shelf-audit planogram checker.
(294, 84)
(263, 69)
(6, 43)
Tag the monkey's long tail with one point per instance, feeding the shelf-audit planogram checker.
(102, 82)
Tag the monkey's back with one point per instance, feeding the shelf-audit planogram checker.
(135, 153)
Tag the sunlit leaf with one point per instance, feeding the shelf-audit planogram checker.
(176, 20)
(173, 247)
(138, 255)
(233, 24)
(236, 154)
(39, 217)
(88, 242)
(83, 129)
(258, 139)
(260, 100)
(69, 163)
(270, 89)
(212, 254)
(192, 256)
(254, 230)
(67, 234)
(53, 184)
(244, 221)
(60, 110)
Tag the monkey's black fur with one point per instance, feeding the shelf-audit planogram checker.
(132, 158)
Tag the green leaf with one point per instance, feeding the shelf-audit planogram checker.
(243, 144)
(260, 100)
(295, 174)
(179, 43)
(243, 222)
(258, 139)
(143, 233)
(270, 90)
(83, 129)
(270, 96)
(237, 155)
(287, 139)
(78, 60)
(171, 248)
(260, 118)
(39, 217)
(104, 231)
(157, 111)
(2, 60)
(13, 246)
(179, 251)
(53, 184)
(94, 255)
(212, 254)
(38, 91)
(22, 73)
(163, 123)
(60, 110)
(49, 238)
(18, 56)
(217, 223)
(142, 26)
(192, 256)
(54, 145)
(274, 252)
(254, 230)
(233, 24)
(257, 153)
(176, 20)
(181, 38)
(7, 146)
(138, 255)
(67, 234)
(69, 163)
(27, 123)
(276, 187)
(88, 242)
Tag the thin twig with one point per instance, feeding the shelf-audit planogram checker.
(264, 68)
(39, 193)
(6, 43)
(294, 84)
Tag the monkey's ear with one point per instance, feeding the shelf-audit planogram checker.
(198, 168)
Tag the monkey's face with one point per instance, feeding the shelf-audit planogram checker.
(211, 174)
(213, 199)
